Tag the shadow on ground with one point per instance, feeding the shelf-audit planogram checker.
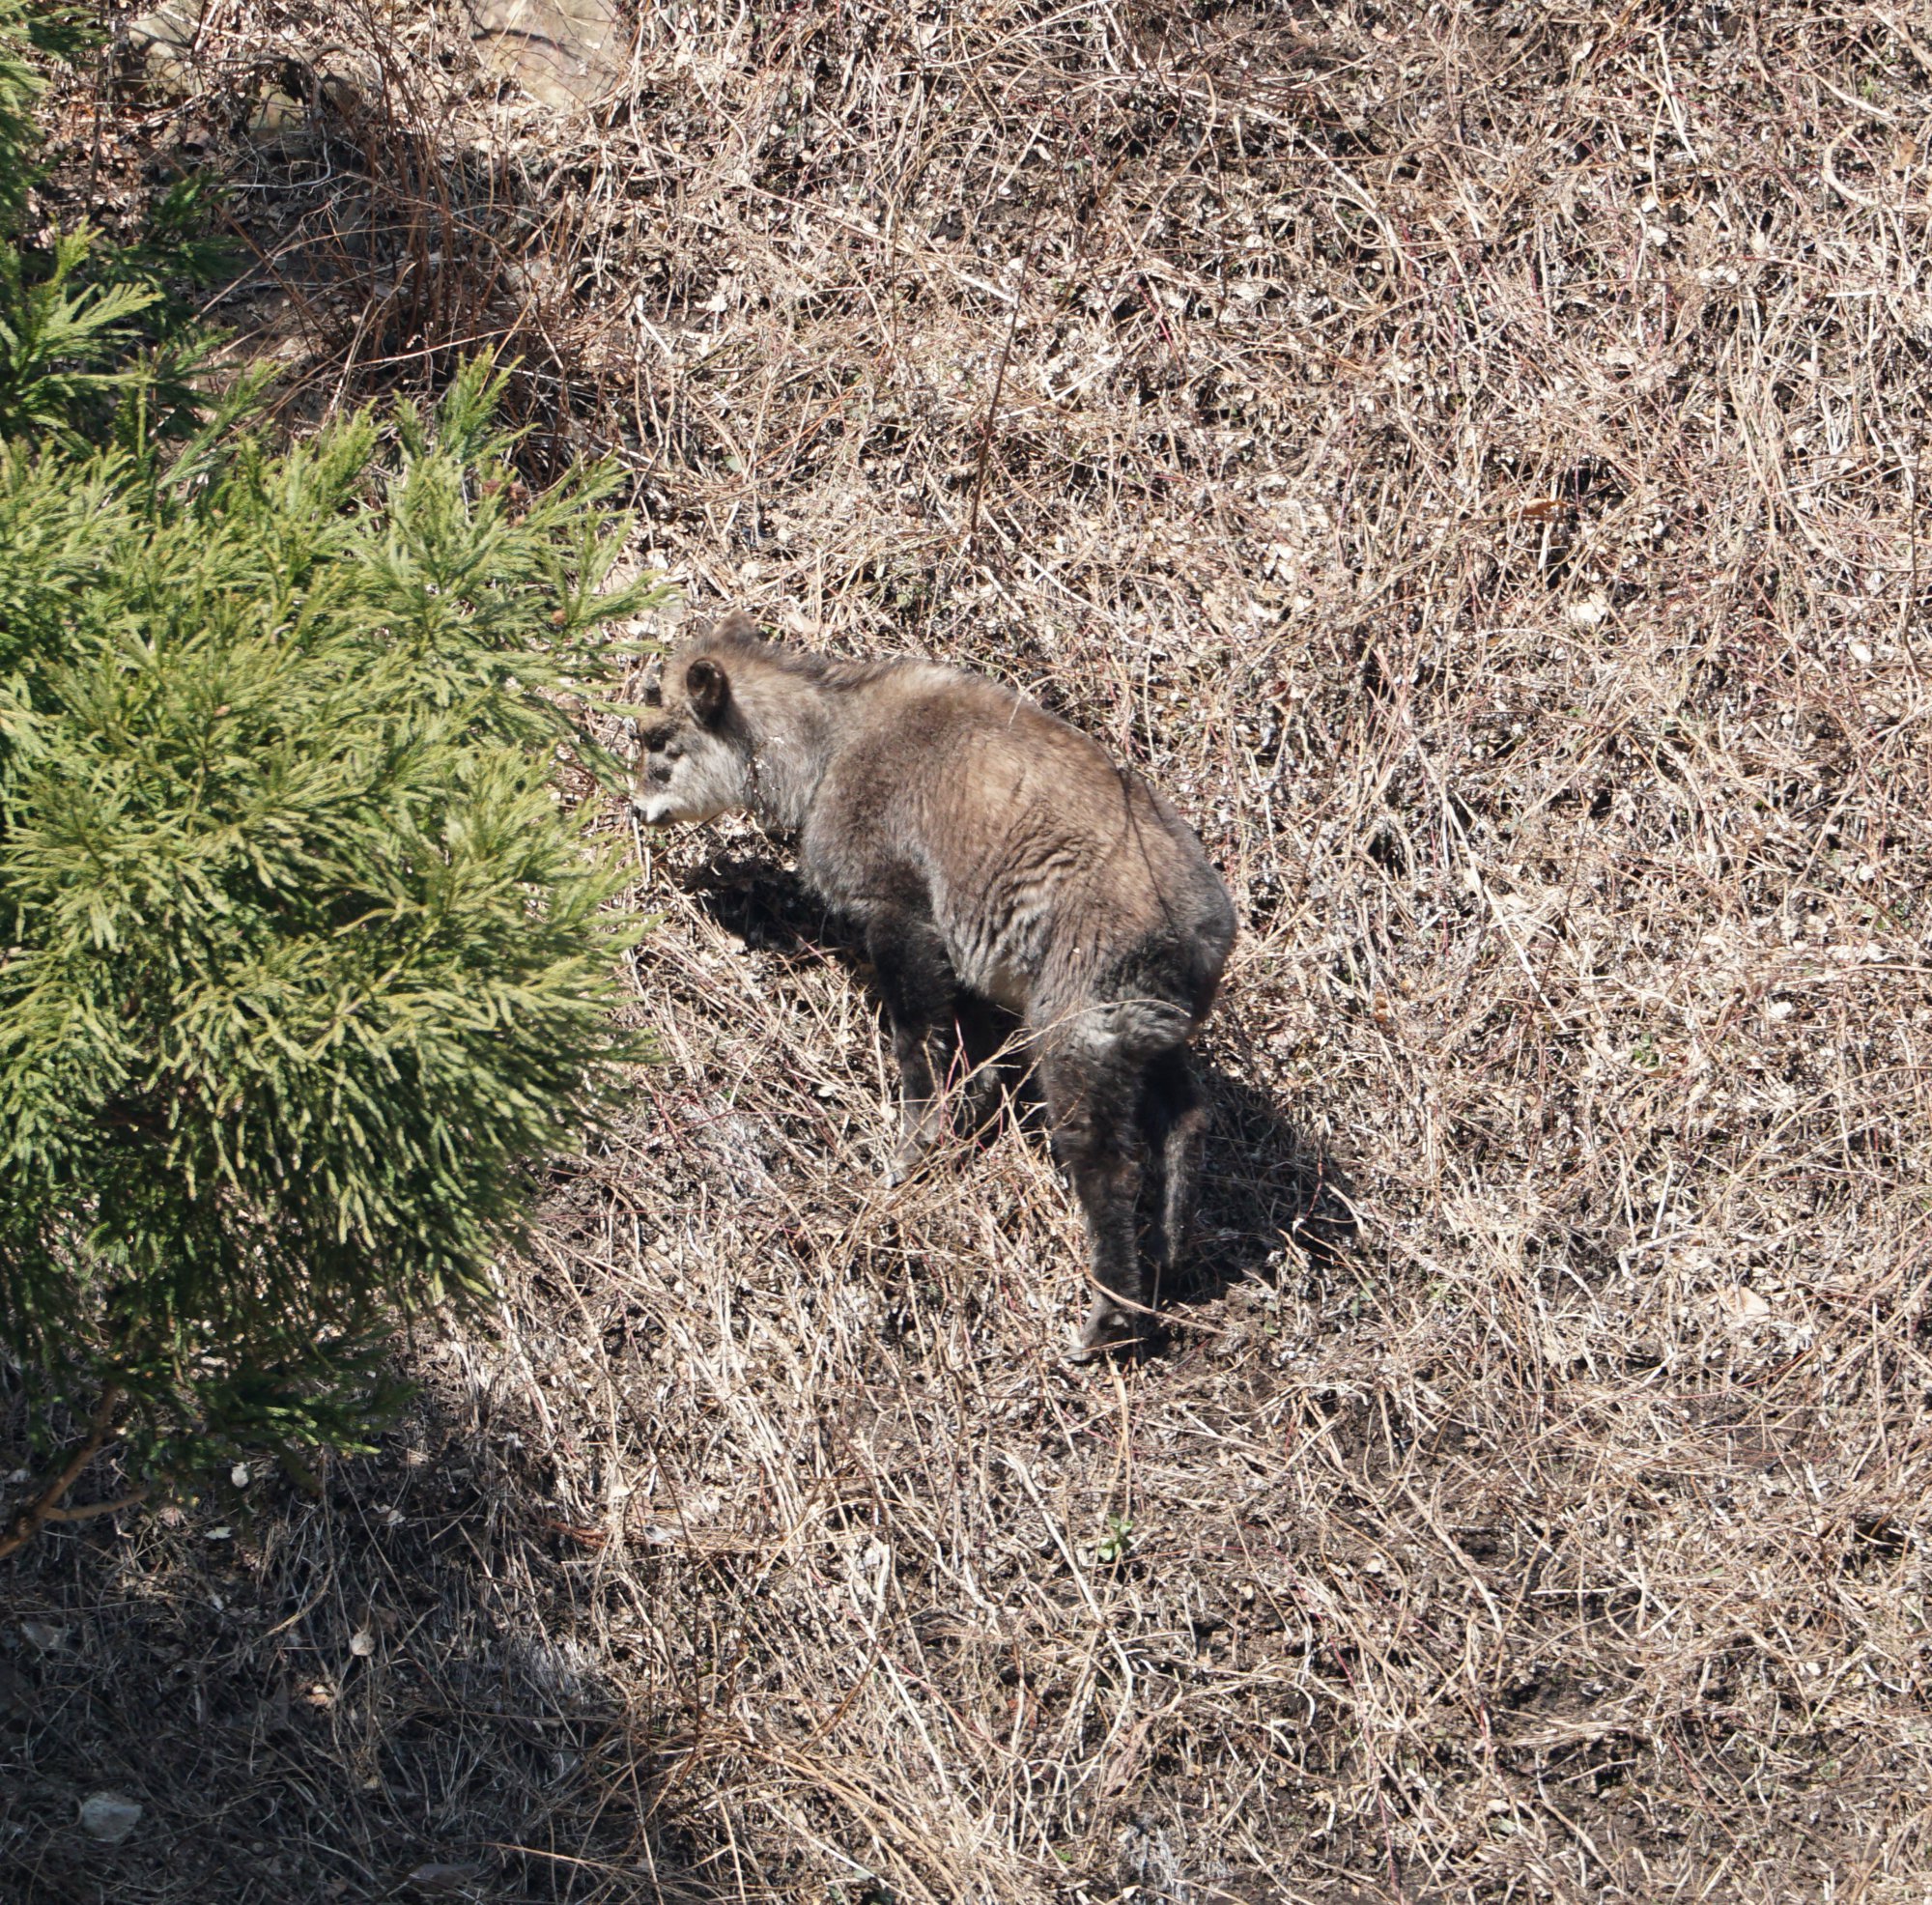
(373, 1691)
(1265, 1181)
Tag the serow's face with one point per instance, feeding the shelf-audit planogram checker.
(687, 768)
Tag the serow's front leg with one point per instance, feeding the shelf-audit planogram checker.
(919, 990)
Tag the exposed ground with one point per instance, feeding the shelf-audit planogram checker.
(1473, 456)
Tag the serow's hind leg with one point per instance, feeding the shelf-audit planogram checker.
(1173, 1116)
(1093, 1101)
(919, 987)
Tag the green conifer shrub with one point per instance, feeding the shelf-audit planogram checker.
(302, 956)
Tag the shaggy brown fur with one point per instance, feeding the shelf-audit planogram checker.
(985, 848)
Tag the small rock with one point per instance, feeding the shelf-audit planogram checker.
(362, 1644)
(563, 52)
(277, 117)
(174, 24)
(159, 45)
(40, 1634)
(108, 1817)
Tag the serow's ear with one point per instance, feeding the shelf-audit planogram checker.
(708, 689)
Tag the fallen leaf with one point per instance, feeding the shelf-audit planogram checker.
(440, 1878)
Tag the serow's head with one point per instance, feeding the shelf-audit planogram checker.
(693, 763)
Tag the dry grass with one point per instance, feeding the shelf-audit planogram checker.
(1474, 458)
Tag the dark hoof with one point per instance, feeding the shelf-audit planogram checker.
(1113, 1332)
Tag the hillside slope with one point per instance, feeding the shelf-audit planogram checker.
(1473, 459)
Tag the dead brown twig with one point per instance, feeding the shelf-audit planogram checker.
(44, 1505)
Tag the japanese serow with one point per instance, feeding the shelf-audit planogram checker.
(986, 850)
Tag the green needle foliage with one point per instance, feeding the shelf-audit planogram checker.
(302, 958)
